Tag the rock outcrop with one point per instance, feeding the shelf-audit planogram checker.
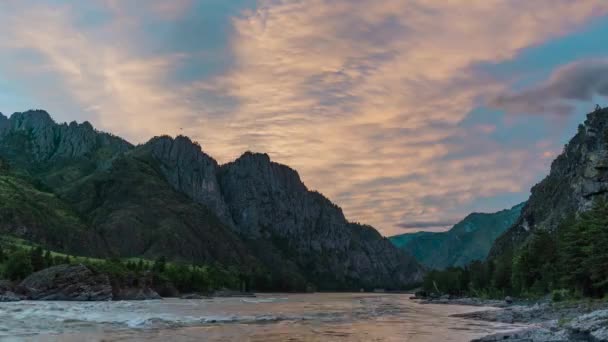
(469, 240)
(578, 176)
(268, 201)
(68, 282)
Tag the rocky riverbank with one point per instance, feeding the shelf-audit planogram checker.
(554, 322)
(571, 321)
(76, 282)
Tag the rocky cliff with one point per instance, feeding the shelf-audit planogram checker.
(469, 240)
(578, 176)
(268, 201)
(191, 171)
(167, 197)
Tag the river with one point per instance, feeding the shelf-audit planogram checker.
(267, 318)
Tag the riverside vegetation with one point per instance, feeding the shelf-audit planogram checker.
(18, 261)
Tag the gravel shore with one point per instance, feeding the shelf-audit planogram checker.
(578, 321)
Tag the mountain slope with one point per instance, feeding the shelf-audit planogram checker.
(168, 198)
(35, 214)
(578, 176)
(469, 240)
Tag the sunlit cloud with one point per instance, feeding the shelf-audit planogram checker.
(365, 99)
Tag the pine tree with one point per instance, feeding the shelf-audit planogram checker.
(140, 265)
(48, 258)
(159, 265)
(597, 261)
(37, 259)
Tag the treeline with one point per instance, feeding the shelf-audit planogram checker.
(18, 262)
(571, 262)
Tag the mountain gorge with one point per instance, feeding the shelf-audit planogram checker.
(469, 240)
(91, 193)
(557, 245)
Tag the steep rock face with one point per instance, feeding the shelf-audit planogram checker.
(268, 201)
(469, 240)
(189, 170)
(138, 213)
(578, 176)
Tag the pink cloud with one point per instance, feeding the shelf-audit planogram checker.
(360, 96)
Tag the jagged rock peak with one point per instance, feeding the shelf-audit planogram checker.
(35, 119)
(50, 141)
(179, 146)
(191, 171)
(260, 157)
(262, 168)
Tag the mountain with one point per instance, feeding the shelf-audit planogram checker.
(578, 176)
(95, 194)
(469, 240)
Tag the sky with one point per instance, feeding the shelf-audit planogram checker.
(409, 114)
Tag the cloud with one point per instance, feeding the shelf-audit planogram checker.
(577, 81)
(365, 99)
(382, 89)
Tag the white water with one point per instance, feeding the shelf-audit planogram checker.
(312, 317)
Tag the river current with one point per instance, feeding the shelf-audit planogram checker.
(267, 318)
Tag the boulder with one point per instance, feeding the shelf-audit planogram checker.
(141, 293)
(68, 282)
(594, 325)
(133, 287)
(508, 300)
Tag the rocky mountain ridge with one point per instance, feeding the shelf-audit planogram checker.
(167, 197)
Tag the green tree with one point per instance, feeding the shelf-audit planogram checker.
(48, 258)
(37, 258)
(583, 254)
(160, 264)
(501, 277)
(535, 264)
(18, 265)
(140, 265)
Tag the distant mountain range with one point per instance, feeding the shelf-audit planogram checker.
(469, 240)
(74, 189)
